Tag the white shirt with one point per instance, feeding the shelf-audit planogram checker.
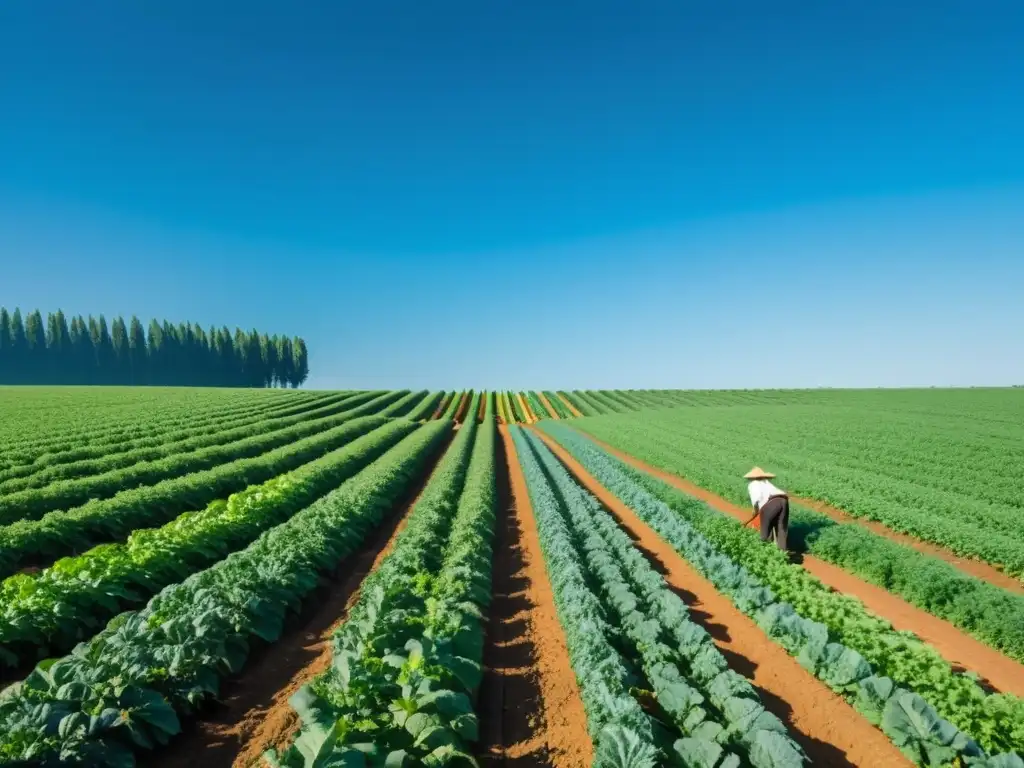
(761, 491)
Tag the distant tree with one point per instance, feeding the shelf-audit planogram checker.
(138, 356)
(36, 358)
(119, 348)
(285, 362)
(75, 350)
(301, 364)
(20, 360)
(6, 345)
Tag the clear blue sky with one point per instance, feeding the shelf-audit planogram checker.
(689, 194)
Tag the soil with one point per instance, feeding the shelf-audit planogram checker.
(828, 729)
(460, 412)
(998, 672)
(547, 404)
(253, 712)
(572, 408)
(441, 407)
(482, 409)
(530, 417)
(531, 711)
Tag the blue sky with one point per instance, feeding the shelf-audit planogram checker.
(705, 194)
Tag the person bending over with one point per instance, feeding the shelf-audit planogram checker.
(772, 504)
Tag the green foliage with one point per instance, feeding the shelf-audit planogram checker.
(715, 712)
(407, 661)
(86, 352)
(61, 533)
(920, 462)
(558, 405)
(51, 610)
(830, 634)
(123, 692)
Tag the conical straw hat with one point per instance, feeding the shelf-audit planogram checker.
(758, 474)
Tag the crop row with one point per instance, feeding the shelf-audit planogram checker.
(32, 503)
(111, 430)
(115, 460)
(407, 660)
(901, 503)
(993, 615)
(927, 709)
(715, 712)
(124, 692)
(59, 533)
(426, 407)
(559, 407)
(49, 611)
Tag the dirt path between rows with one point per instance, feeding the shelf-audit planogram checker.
(547, 404)
(441, 406)
(828, 729)
(460, 412)
(572, 408)
(998, 672)
(530, 709)
(527, 411)
(482, 408)
(253, 712)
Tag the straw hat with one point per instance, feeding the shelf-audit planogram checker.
(758, 474)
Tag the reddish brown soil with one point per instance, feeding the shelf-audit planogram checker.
(547, 404)
(441, 407)
(460, 412)
(253, 713)
(572, 408)
(997, 671)
(829, 730)
(482, 409)
(531, 712)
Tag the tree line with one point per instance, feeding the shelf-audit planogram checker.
(86, 351)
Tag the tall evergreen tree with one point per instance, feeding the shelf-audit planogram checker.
(119, 348)
(36, 358)
(73, 350)
(157, 354)
(285, 361)
(20, 362)
(301, 363)
(268, 355)
(137, 353)
(6, 343)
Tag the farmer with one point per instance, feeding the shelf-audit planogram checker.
(771, 503)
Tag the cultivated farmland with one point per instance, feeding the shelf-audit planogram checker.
(261, 577)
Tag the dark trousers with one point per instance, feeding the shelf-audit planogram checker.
(775, 519)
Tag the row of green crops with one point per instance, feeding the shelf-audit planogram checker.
(558, 405)
(536, 405)
(146, 465)
(407, 661)
(198, 428)
(992, 614)
(932, 713)
(404, 404)
(608, 595)
(426, 407)
(40, 542)
(49, 611)
(453, 405)
(107, 425)
(122, 694)
(916, 475)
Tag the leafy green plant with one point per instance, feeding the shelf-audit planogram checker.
(830, 634)
(407, 661)
(169, 657)
(51, 610)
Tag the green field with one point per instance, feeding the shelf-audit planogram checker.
(157, 544)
